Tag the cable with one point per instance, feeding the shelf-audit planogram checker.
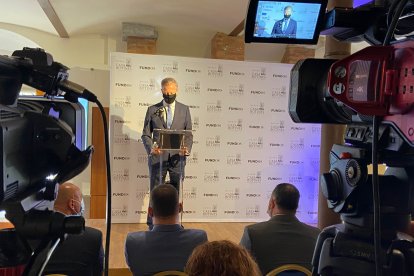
(34, 258)
(394, 21)
(375, 125)
(73, 92)
(49, 254)
(391, 11)
(181, 187)
(376, 197)
(108, 188)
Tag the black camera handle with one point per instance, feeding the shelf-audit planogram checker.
(339, 253)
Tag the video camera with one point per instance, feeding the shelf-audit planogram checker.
(41, 147)
(376, 83)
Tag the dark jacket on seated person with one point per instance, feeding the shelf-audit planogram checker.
(165, 247)
(168, 245)
(78, 255)
(283, 239)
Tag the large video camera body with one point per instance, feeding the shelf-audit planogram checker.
(41, 147)
(376, 81)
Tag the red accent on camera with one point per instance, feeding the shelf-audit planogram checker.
(378, 80)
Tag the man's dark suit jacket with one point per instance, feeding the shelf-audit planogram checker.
(290, 31)
(154, 119)
(281, 240)
(165, 247)
(78, 255)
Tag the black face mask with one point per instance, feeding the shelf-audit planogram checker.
(169, 99)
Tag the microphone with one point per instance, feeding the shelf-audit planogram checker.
(159, 111)
(74, 90)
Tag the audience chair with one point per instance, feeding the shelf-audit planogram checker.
(290, 270)
(171, 273)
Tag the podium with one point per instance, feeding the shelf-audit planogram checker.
(172, 141)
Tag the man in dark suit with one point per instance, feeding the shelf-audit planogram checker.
(79, 254)
(168, 245)
(167, 114)
(285, 27)
(283, 239)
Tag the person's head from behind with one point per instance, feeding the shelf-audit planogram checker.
(169, 89)
(165, 206)
(69, 200)
(223, 258)
(287, 12)
(284, 200)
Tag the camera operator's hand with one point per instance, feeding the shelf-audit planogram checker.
(184, 151)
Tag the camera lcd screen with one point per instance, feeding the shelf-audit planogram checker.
(292, 22)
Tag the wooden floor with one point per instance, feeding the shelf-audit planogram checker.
(215, 231)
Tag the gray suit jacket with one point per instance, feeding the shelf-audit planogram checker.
(154, 119)
(281, 240)
(165, 247)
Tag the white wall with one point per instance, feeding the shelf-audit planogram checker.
(93, 50)
(82, 51)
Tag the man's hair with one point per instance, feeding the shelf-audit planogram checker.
(223, 258)
(288, 7)
(168, 80)
(164, 200)
(286, 196)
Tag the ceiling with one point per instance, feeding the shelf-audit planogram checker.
(83, 17)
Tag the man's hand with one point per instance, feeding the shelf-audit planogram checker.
(184, 151)
(156, 151)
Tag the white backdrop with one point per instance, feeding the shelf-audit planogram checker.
(244, 140)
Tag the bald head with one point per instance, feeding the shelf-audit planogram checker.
(69, 199)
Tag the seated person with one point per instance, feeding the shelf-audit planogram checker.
(79, 254)
(168, 245)
(222, 258)
(283, 239)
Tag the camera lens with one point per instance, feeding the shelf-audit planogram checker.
(309, 98)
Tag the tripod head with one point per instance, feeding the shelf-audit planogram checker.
(348, 248)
